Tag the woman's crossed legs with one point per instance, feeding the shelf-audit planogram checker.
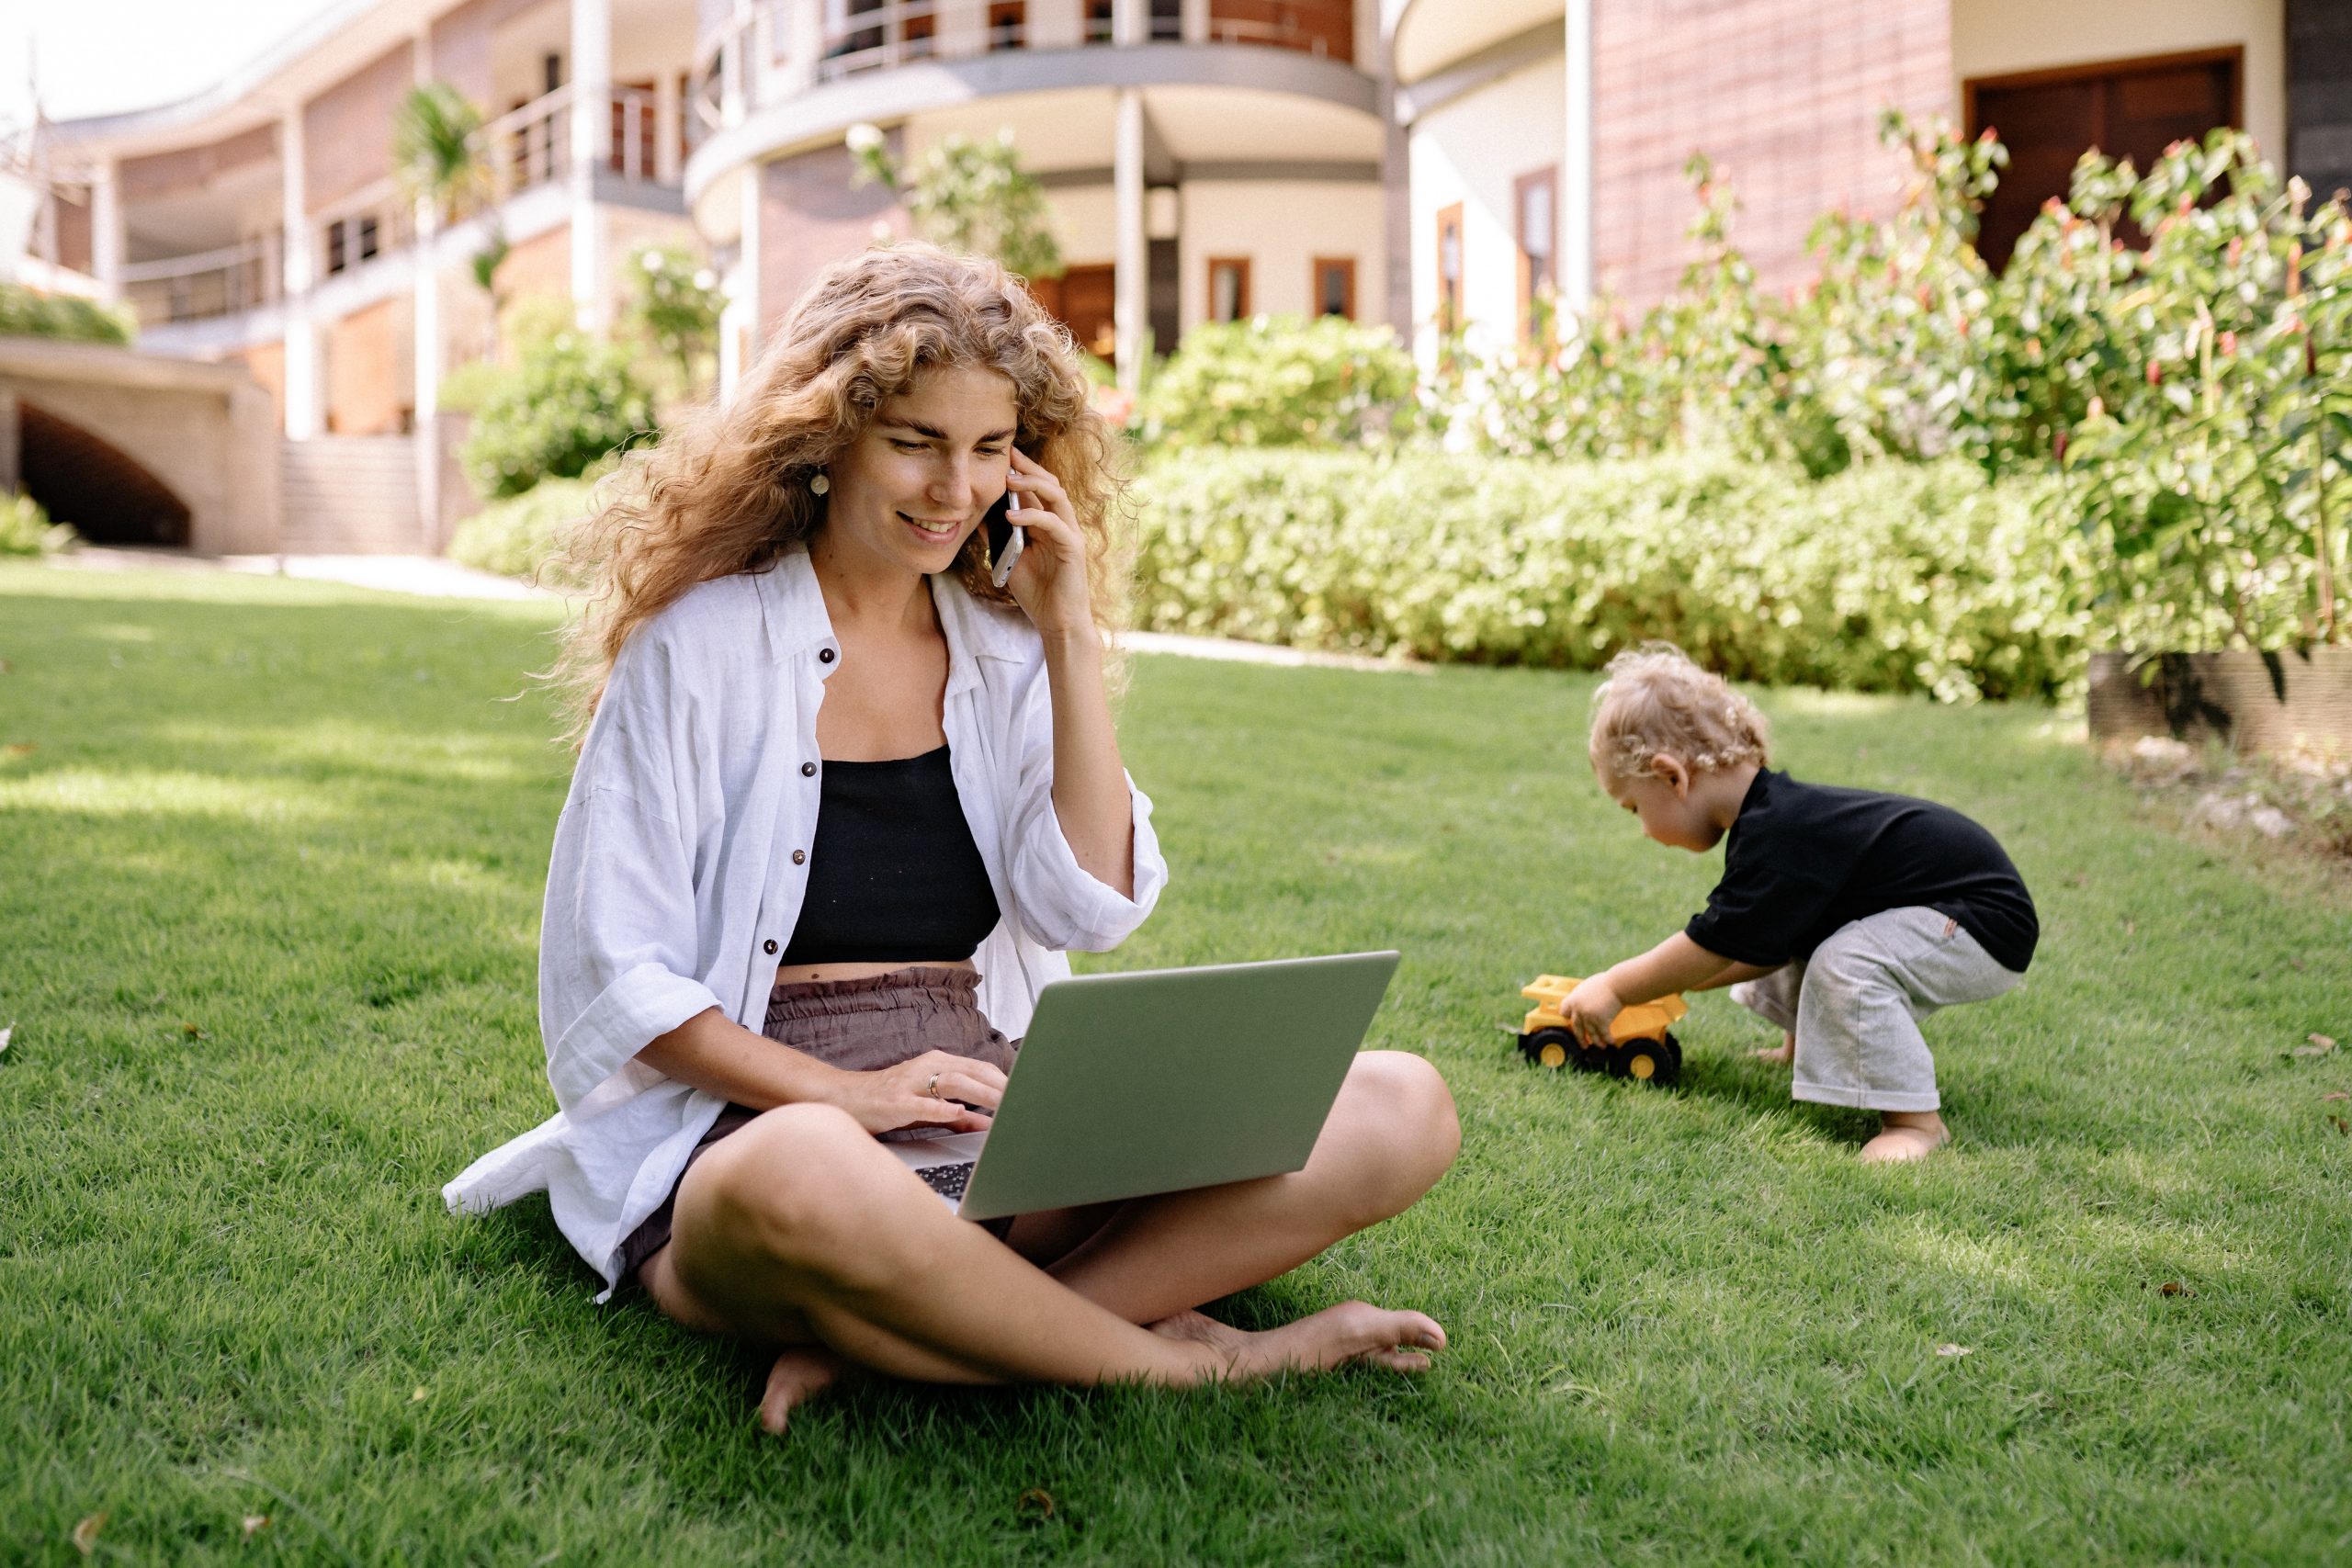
(801, 1231)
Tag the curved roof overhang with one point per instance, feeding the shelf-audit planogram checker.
(1427, 35)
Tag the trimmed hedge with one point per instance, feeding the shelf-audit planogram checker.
(1886, 578)
(518, 535)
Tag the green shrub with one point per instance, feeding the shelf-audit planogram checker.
(570, 401)
(1886, 578)
(518, 536)
(25, 313)
(25, 530)
(1278, 381)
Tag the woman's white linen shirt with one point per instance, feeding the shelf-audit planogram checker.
(681, 861)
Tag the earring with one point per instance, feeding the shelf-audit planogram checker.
(818, 484)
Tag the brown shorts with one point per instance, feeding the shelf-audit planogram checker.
(859, 1026)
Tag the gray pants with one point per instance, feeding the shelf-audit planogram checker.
(1855, 1006)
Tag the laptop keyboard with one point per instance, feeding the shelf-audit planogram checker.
(947, 1180)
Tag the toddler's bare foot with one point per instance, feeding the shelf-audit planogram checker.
(799, 1375)
(1907, 1134)
(1780, 1055)
(1352, 1331)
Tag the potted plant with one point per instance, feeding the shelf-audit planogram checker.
(2213, 462)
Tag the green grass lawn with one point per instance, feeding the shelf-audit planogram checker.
(270, 867)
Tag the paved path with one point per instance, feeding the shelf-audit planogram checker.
(434, 577)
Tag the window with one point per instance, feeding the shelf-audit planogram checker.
(2127, 109)
(1335, 286)
(1008, 24)
(1449, 269)
(1228, 288)
(915, 32)
(1098, 21)
(1167, 21)
(336, 261)
(1539, 277)
(368, 239)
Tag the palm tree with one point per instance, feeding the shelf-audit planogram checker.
(437, 162)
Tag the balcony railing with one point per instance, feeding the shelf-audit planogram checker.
(215, 283)
(747, 61)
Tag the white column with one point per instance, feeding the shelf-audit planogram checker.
(738, 323)
(1197, 21)
(667, 117)
(1575, 189)
(1131, 272)
(305, 376)
(426, 327)
(592, 125)
(1130, 22)
(807, 47)
(105, 232)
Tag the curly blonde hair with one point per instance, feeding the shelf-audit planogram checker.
(1657, 699)
(726, 489)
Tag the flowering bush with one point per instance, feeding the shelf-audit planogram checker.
(1888, 578)
(569, 403)
(1277, 381)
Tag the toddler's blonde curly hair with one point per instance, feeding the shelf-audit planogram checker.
(1657, 699)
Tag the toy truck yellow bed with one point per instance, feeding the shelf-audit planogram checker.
(1640, 1046)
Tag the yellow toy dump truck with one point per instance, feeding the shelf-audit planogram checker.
(1639, 1045)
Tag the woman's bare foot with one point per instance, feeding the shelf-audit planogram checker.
(1352, 1331)
(1907, 1134)
(799, 1375)
(1780, 1055)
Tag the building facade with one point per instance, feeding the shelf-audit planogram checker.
(1433, 165)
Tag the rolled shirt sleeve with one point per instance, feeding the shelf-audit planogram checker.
(619, 938)
(1060, 904)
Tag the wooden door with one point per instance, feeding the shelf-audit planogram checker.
(2127, 109)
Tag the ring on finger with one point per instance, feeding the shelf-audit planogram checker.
(932, 1087)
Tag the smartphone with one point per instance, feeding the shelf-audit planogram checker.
(1005, 539)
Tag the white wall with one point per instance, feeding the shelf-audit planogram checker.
(1281, 226)
(1470, 150)
(1995, 38)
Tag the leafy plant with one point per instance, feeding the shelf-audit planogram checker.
(1278, 381)
(26, 313)
(436, 150)
(26, 529)
(967, 195)
(569, 403)
(522, 536)
(676, 306)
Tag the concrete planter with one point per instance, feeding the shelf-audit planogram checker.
(2254, 701)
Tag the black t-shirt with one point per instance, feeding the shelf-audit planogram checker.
(1803, 860)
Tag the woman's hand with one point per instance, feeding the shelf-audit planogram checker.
(920, 1092)
(1049, 580)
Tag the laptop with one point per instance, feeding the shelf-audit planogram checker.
(1157, 1080)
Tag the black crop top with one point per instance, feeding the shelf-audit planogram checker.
(893, 875)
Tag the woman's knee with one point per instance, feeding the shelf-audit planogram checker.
(799, 1186)
(1397, 1107)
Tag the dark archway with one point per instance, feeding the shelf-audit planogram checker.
(85, 479)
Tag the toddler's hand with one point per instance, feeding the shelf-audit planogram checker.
(1589, 1010)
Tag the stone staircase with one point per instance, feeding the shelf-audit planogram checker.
(351, 495)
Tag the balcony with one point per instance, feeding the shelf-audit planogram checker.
(524, 150)
(771, 50)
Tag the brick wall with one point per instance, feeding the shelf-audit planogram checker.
(370, 383)
(461, 48)
(265, 363)
(347, 129)
(1784, 95)
(810, 216)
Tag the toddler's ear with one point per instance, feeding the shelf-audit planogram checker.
(1671, 770)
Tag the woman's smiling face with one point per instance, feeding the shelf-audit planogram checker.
(909, 490)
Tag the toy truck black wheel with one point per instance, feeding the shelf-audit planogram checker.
(1657, 1062)
(1553, 1048)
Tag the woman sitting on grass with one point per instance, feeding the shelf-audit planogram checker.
(840, 804)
